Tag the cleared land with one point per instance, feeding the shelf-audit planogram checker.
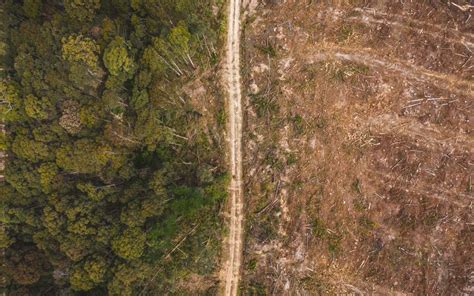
(359, 157)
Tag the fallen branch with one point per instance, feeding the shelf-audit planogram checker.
(181, 241)
(273, 202)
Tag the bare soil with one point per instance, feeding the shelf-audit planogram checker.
(359, 148)
(232, 253)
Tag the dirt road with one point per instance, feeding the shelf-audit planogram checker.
(233, 248)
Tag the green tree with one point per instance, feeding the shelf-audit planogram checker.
(48, 133)
(53, 221)
(5, 240)
(82, 10)
(148, 128)
(80, 280)
(10, 103)
(80, 49)
(179, 38)
(125, 276)
(76, 247)
(31, 150)
(95, 193)
(138, 211)
(85, 79)
(26, 265)
(38, 108)
(32, 8)
(130, 244)
(96, 268)
(153, 60)
(83, 156)
(89, 157)
(102, 176)
(3, 141)
(117, 59)
(91, 115)
(47, 171)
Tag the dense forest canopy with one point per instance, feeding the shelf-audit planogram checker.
(112, 181)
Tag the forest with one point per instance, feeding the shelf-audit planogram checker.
(113, 180)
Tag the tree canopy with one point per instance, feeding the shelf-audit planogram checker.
(109, 166)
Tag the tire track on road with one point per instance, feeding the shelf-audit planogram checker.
(432, 27)
(370, 58)
(367, 18)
